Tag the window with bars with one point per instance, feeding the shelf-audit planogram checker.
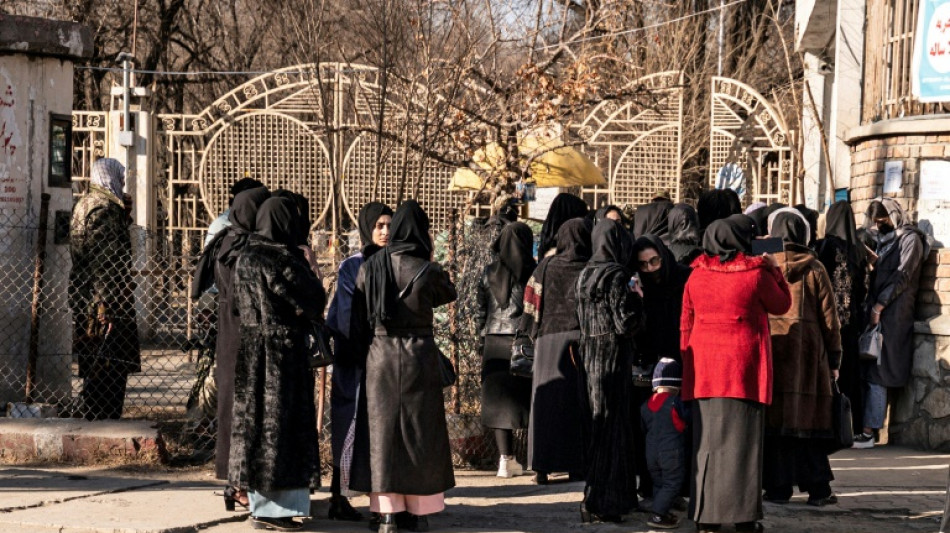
(888, 53)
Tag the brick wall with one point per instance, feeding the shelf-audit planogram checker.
(867, 182)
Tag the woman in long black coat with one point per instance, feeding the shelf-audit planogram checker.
(846, 260)
(901, 251)
(506, 399)
(410, 459)
(610, 313)
(227, 246)
(556, 439)
(684, 235)
(564, 207)
(274, 442)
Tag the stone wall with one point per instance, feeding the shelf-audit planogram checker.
(919, 413)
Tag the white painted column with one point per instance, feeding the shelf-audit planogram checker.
(813, 117)
(847, 91)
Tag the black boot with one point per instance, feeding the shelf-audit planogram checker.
(387, 523)
(340, 509)
(410, 522)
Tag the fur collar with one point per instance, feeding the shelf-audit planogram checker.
(741, 263)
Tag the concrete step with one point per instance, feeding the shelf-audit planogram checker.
(75, 441)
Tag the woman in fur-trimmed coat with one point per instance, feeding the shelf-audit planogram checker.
(274, 445)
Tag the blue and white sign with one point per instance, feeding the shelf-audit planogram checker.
(731, 176)
(930, 68)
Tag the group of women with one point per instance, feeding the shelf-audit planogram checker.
(271, 303)
(761, 339)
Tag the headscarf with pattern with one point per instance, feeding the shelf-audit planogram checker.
(108, 174)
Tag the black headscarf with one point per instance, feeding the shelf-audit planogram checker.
(839, 223)
(278, 221)
(302, 205)
(515, 262)
(573, 241)
(601, 213)
(717, 204)
(612, 251)
(243, 219)
(729, 236)
(812, 217)
(683, 225)
(368, 217)
(564, 207)
(409, 235)
(761, 218)
(653, 218)
(790, 227)
(667, 262)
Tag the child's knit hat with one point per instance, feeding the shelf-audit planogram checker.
(667, 373)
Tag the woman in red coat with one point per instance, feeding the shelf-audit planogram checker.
(727, 368)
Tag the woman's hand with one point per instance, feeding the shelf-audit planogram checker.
(770, 260)
(876, 314)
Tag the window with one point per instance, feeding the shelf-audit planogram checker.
(60, 151)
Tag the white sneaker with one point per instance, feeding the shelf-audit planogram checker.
(508, 466)
(863, 441)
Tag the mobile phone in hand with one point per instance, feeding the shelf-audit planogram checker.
(772, 245)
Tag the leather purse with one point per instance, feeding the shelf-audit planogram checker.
(871, 344)
(841, 423)
(447, 372)
(318, 346)
(522, 360)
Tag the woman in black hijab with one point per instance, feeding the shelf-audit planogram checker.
(609, 211)
(348, 417)
(398, 288)
(662, 280)
(845, 258)
(506, 399)
(684, 235)
(564, 207)
(653, 219)
(610, 313)
(555, 431)
(717, 204)
(811, 216)
(274, 441)
(223, 250)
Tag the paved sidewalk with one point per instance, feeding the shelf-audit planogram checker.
(882, 490)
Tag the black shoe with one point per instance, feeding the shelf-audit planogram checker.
(667, 521)
(750, 527)
(231, 497)
(588, 517)
(340, 509)
(410, 522)
(278, 524)
(772, 498)
(387, 523)
(821, 502)
(374, 521)
(541, 478)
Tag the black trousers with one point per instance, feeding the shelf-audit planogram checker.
(791, 461)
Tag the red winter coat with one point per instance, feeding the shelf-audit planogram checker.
(725, 341)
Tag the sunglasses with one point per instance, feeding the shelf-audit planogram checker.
(652, 262)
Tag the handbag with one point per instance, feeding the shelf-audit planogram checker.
(871, 343)
(522, 360)
(643, 375)
(841, 422)
(447, 372)
(318, 346)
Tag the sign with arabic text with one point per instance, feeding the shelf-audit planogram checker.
(930, 68)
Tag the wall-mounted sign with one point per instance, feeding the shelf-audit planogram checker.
(893, 176)
(930, 68)
(933, 204)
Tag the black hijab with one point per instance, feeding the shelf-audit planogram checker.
(243, 219)
(612, 251)
(302, 206)
(368, 217)
(667, 262)
(279, 222)
(408, 235)
(761, 219)
(839, 223)
(683, 225)
(601, 213)
(653, 218)
(729, 236)
(812, 217)
(564, 207)
(717, 204)
(573, 241)
(790, 227)
(515, 262)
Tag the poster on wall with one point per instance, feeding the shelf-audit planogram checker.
(930, 67)
(933, 204)
(893, 176)
(12, 188)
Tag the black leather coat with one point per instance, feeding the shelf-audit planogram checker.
(495, 319)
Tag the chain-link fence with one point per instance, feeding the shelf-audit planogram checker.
(63, 354)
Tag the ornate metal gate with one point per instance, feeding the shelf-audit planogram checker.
(750, 145)
(308, 128)
(638, 143)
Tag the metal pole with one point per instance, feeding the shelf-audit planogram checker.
(722, 9)
(35, 309)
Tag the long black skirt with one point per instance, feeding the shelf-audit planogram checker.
(556, 430)
(798, 461)
(506, 399)
(727, 461)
